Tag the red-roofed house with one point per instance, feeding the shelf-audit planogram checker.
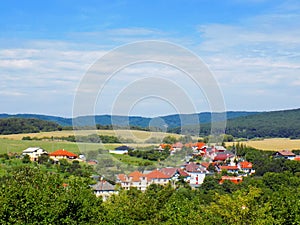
(297, 158)
(222, 156)
(62, 154)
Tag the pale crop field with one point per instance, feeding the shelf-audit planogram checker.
(136, 135)
(14, 142)
(273, 144)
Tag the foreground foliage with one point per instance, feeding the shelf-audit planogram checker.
(31, 194)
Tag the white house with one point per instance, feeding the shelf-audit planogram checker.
(34, 153)
(121, 150)
(197, 174)
(104, 189)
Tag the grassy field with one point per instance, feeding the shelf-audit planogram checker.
(136, 135)
(273, 144)
(14, 142)
(8, 145)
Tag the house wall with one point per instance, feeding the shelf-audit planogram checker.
(196, 178)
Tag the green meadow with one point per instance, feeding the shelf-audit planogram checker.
(8, 145)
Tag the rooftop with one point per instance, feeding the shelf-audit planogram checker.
(62, 152)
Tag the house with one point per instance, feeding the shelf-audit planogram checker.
(235, 180)
(246, 167)
(164, 146)
(220, 149)
(174, 173)
(134, 179)
(62, 154)
(229, 169)
(177, 146)
(104, 189)
(197, 174)
(222, 156)
(141, 181)
(34, 153)
(199, 146)
(158, 177)
(284, 154)
(121, 150)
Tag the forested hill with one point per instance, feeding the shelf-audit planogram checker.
(268, 124)
(21, 125)
(171, 121)
(285, 123)
(56, 119)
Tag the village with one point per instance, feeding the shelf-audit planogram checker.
(214, 159)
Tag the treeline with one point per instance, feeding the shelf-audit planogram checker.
(92, 138)
(150, 153)
(19, 125)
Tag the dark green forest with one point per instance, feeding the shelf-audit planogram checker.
(283, 124)
(20, 125)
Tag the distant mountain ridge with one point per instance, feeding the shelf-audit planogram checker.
(170, 121)
(243, 124)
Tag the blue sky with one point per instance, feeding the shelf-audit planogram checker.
(251, 46)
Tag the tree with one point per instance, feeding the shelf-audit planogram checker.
(241, 207)
(26, 159)
(31, 196)
(169, 140)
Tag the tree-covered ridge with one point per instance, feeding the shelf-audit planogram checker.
(20, 125)
(283, 124)
(106, 121)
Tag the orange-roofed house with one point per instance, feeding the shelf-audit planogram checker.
(134, 179)
(297, 158)
(177, 146)
(229, 169)
(199, 146)
(164, 146)
(235, 180)
(158, 177)
(62, 154)
(246, 167)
